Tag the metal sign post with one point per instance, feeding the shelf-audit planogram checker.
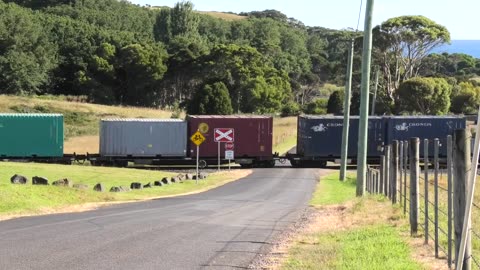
(229, 148)
(197, 138)
(219, 156)
(198, 175)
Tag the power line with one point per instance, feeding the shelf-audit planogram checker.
(359, 14)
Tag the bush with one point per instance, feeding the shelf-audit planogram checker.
(290, 109)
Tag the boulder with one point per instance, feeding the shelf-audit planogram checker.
(18, 179)
(174, 180)
(189, 176)
(181, 177)
(62, 182)
(37, 180)
(203, 175)
(149, 185)
(136, 185)
(115, 189)
(124, 189)
(166, 180)
(80, 186)
(99, 187)
(157, 183)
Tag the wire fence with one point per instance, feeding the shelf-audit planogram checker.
(431, 187)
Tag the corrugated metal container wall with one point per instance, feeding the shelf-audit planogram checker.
(27, 135)
(321, 136)
(253, 135)
(143, 137)
(403, 128)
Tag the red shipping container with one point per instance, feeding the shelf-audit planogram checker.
(252, 135)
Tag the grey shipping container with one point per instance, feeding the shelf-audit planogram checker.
(321, 136)
(143, 138)
(403, 128)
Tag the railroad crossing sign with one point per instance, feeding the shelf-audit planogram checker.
(224, 135)
(197, 138)
(229, 146)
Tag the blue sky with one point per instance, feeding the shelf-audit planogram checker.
(461, 17)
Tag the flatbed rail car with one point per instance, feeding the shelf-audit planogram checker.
(319, 138)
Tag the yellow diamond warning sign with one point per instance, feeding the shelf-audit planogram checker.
(197, 138)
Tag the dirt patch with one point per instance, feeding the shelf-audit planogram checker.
(234, 175)
(348, 216)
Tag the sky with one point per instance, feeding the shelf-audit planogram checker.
(461, 17)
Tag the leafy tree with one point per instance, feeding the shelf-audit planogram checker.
(335, 103)
(27, 56)
(184, 21)
(465, 98)
(424, 95)
(211, 99)
(401, 43)
(318, 106)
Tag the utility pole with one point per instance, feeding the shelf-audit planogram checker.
(346, 113)
(363, 125)
(375, 92)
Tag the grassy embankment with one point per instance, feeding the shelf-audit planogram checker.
(29, 199)
(351, 233)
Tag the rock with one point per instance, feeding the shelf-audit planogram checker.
(181, 177)
(149, 185)
(136, 185)
(203, 175)
(115, 189)
(189, 176)
(80, 186)
(174, 180)
(18, 179)
(165, 180)
(99, 187)
(124, 189)
(62, 182)
(158, 183)
(37, 180)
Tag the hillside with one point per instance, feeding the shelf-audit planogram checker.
(81, 119)
(223, 15)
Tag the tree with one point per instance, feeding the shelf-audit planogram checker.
(335, 103)
(211, 99)
(401, 43)
(27, 55)
(465, 98)
(429, 96)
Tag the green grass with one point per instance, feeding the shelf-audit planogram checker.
(367, 233)
(283, 147)
(20, 199)
(372, 247)
(330, 190)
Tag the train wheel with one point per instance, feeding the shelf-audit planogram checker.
(202, 164)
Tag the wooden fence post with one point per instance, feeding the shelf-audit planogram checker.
(405, 163)
(414, 154)
(386, 187)
(382, 174)
(461, 168)
(449, 203)
(425, 157)
(394, 176)
(436, 146)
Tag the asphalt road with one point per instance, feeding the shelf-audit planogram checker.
(224, 228)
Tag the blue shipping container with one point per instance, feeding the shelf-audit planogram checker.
(403, 128)
(321, 136)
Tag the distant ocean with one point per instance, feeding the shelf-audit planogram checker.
(471, 47)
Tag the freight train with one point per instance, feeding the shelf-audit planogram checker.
(39, 137)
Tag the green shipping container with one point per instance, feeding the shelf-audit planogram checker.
(31, 135)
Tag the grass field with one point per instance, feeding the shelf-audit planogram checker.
(223, 15)
(284, 134)
(351, 233)
(29, 199)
